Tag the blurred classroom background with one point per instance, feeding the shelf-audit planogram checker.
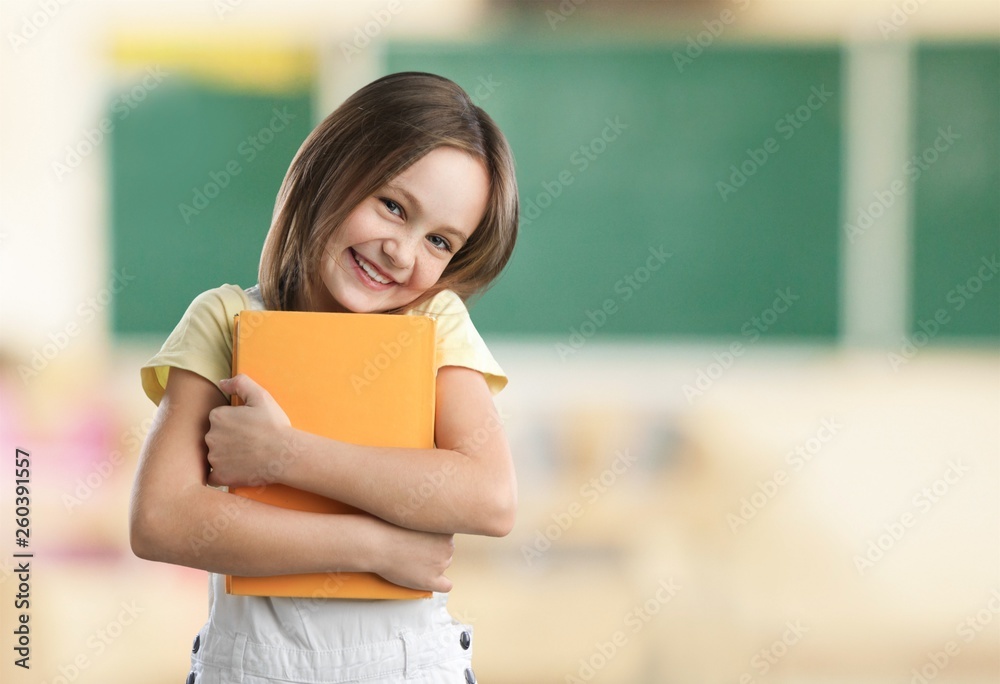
(751, 324)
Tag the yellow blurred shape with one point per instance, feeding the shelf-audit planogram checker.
(258, 63)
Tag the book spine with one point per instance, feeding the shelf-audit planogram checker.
(234, 400)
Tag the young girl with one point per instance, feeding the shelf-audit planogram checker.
(402, 201)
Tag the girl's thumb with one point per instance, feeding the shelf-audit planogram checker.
(243, 387)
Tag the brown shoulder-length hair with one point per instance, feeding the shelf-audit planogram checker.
(373, 136)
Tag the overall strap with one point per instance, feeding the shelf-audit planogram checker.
(256, 300)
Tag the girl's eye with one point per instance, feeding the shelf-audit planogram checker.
(440, 242)
(392, 207)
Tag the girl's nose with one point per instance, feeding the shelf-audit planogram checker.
(401, 251)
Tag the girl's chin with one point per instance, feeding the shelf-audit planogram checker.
(353, 297)
(366, 303)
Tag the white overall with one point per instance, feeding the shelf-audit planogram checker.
(257, 640)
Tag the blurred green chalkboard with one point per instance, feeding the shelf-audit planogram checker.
(626, 150)
(955, 171)
(195, 168)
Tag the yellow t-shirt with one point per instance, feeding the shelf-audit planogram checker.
(202, 342)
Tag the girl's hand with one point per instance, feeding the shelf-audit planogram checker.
(413, 559)
(245, 443)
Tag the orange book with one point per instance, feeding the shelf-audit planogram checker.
(360, 378)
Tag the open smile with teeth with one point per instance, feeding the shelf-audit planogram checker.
(370, 269)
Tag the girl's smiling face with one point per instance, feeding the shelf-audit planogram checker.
(396, 244)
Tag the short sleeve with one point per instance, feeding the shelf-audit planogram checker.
(458, 341)
(201, 343)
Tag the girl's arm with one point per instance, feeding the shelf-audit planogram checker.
(175, 518)
(466, 484)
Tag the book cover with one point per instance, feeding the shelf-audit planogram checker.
(360, 378)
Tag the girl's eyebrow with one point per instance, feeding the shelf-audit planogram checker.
(412, 200)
